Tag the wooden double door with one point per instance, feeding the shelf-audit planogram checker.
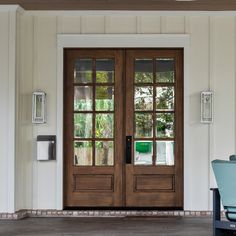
(123, 128)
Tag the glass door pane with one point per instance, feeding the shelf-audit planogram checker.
(143, 70)
(154, 111)
(83, 71)
(165, 70)
(94, 99)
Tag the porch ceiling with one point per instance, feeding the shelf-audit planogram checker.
(170, 5)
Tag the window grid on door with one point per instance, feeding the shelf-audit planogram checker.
(95, 118)
(153, 115)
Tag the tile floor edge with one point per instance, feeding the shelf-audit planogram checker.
(21, 214)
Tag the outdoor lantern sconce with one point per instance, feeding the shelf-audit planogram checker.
(207, 107)
(39, 107)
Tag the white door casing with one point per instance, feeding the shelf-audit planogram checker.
(119, 41)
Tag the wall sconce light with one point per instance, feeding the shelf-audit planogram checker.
(207, 107)
(39, 107)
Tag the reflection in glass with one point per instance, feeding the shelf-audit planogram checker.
(83, 98)
(104, 154)
(143, 125)
(104, 125)
(165, 98)
(143, 152)
(143, 70)
(143, 98)
(165, 70)
(39, 106)
(105, 70)
(104, 98)
(83, 153)
(165, 125)
(165, 153)
(83, 71)
(83, 125)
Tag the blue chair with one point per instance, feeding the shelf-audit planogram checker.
(225, 174)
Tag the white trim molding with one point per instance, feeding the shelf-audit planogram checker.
(118, 41)
(127, 13)
(11, 111)
(9, 181)
(11, 8)
(122, 40)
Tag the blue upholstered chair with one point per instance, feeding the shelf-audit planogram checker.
(225, 174)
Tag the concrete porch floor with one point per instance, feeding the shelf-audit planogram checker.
(145, 226)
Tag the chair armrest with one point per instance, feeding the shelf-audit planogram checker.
(213, 189)
(216, 204)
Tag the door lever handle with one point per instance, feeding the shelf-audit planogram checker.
(128, 151)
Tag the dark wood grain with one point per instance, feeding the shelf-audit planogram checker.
(93, 182)
(154, 182)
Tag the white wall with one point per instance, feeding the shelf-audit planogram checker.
(212, 66)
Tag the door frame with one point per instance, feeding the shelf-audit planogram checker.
(117, 41)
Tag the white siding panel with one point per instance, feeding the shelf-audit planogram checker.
(45, 79)
(149, 24)
(24, 153)
(197, 196)
(68, 25)
(93, 24)
(46, 185)
(172, 24)
(121, 24)
(224, 86)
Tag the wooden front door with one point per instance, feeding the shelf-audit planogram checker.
(123, 128)
(154, 126)
(93, 137)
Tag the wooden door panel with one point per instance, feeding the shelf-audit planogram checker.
(149, 189)
(141, 82)
(93, 183)
(91, 78)
(151, 181)
(152, 200)
(91, 199)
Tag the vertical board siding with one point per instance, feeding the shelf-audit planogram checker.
(24, 154)
(121, 25)
(149, 24)
(172, 25)
(224, 86)
(45, 80)
(199, 81)
(92, 24)
(68, 25)
(4, 42)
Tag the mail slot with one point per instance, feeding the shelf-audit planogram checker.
(46, 147)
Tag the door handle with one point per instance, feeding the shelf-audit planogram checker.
(128, 150)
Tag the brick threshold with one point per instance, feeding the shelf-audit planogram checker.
(102, 213)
